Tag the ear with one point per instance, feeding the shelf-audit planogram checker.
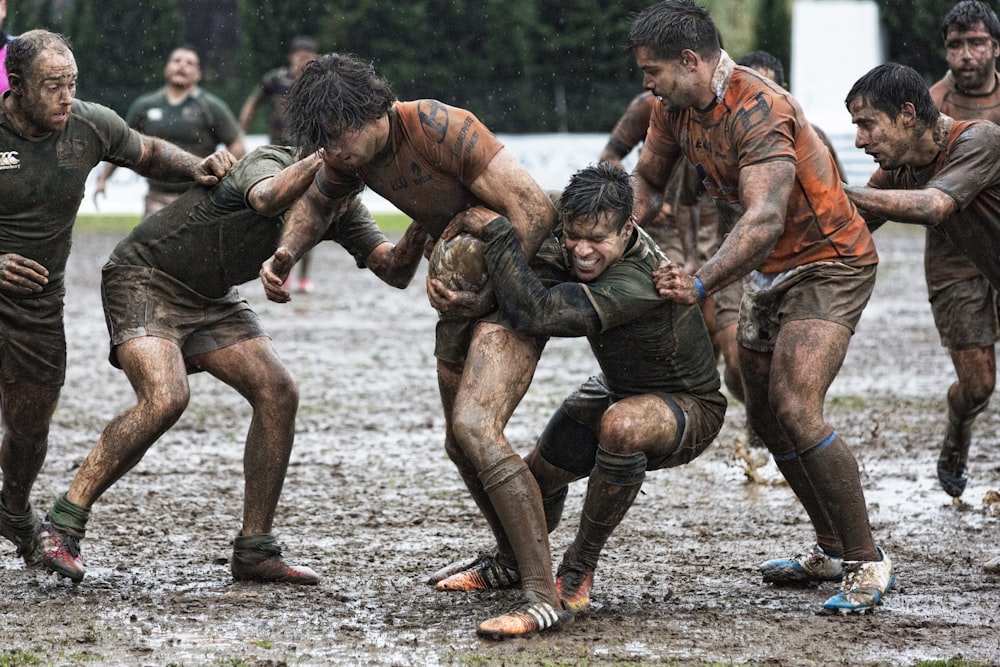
(14, 81)
(689, 59)
(907, 114)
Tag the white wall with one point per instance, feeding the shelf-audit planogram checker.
(834, 42)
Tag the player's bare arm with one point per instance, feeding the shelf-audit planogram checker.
(506, 187)
(164, 161)
(305, 223)
(22, 275)
(648, 198)
(928, 206)
(273, 196)
(396, 264)
(764, 192)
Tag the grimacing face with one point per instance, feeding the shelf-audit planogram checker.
(46, 96)
(183, 68)
(884, 138)
(971, 57)
(594, 245)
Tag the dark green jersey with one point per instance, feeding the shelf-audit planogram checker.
(210, 239)
(642, 342)
(198, 124)
(42, 181)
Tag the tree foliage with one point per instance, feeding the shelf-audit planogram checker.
(521, 65)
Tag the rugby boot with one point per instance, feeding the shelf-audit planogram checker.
(573, 586)
(865, 584)
(954, 457)
(524, 620)
(485, 575)
(61, 551)
(807, 568)
(951, 465)
(992, 566)
(23, 529)
(460, 565)
(258, 558)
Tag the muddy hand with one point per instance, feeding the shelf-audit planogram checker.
(471, 220)
(22, 275)
(211, 170)
(675, 284)
(273, 274)
(460, 304)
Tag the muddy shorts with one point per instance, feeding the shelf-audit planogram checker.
(967, 314)
(698, 416)
(828, 291)
(33, 340)
(142, 301)
(453, 335)
(727, 305)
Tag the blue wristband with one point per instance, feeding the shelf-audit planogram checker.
(701, 288)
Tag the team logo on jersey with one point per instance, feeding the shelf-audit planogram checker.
(434, 116)
(9, 160)
(155, 114)
(419, 177)
(70, 152)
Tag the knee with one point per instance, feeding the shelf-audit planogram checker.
(470, 430)
(621, 430)
(166, 404)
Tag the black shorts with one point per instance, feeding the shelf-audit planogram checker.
(699, 417)
(33, 340)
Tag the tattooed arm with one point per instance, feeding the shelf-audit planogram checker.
(166, 162)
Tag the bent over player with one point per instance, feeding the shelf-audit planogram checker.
(49, 142)
(172, 308)
(656, 403)
(433, 161)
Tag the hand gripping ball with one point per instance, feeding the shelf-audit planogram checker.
(459, 263)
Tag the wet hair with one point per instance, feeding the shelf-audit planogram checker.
(597, 189)
(965, 15)
(888, 87)
(334, 94)
(670, 26)
(758, 60)
(24, 49)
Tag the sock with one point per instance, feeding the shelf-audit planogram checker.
(611, 490)
(69, 517)
(791, 467)
(553, 506)
(514, 495)
(833, 472)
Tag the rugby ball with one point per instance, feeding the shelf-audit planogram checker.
(459, 263)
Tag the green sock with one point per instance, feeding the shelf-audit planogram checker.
(69, 515)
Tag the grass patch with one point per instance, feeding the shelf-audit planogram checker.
(19, 658)
(123, 224)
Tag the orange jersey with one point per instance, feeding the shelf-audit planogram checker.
(944, 264)
(434, 153)
(756, 121)
(967, 169)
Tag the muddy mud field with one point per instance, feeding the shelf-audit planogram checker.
(373, 504)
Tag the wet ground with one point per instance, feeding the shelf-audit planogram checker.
(373, 504)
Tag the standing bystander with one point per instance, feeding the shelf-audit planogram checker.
(273, 91)
(184, 114)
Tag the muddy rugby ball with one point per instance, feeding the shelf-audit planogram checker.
(459, 263)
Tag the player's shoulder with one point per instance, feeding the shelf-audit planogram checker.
(93, 111)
